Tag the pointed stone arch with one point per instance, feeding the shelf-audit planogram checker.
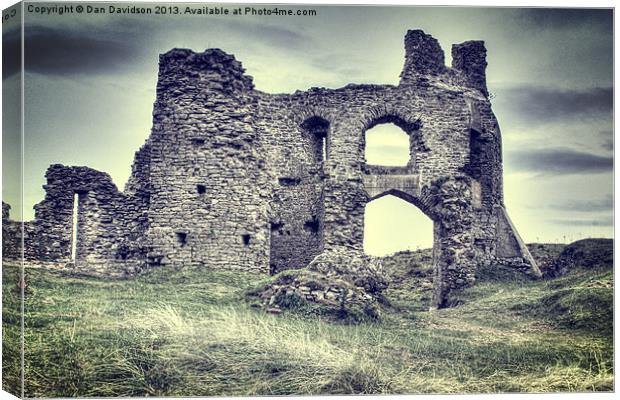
(394, 222)
(422, 204)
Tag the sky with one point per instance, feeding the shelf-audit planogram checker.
(90, 88)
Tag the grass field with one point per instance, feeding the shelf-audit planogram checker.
(190, 332)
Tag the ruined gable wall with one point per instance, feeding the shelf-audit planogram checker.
(54, 215)
(105, 219)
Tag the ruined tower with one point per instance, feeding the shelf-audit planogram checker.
(235, 178)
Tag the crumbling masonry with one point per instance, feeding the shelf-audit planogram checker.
(235, 178)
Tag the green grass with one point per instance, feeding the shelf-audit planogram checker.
(11, 328)
(190, 332)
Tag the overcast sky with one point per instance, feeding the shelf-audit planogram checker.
(90, 88)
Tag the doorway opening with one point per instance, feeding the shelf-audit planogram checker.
(392, 225)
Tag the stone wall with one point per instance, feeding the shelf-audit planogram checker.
(209, 194)
(235, 178)
(11, 235)
(110, 225)
(18, 238)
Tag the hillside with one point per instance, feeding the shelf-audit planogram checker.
(192, 332)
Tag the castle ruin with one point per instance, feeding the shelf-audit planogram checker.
(235, 178)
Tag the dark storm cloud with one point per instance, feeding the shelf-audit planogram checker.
(581, 222)
(59, 52)
(11, 53)
(565, 18)
(86, 51)
(609, 144)
(604, 204)
(608, 139)
(545, 105)
(560, 161)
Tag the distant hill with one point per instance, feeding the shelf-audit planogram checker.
(554, 259)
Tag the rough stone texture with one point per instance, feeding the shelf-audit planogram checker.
(6, 209)
(423, 55)
(235, 178)
(363, 271)
(341, 282)
(11, 235)
(470, 57)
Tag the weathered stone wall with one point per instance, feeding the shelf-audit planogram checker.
(235, 178)
(6, 209)
(293, 144)
(18, 238)
(209, 200)
(11, 235)
(109, 224)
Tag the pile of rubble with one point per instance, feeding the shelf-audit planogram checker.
(341, 283)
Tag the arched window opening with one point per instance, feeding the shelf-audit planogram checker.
(388, 145)
(316, 129)
(392, 224)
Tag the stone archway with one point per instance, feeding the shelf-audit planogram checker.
(393, 225)
(448, 203)
(412, 202)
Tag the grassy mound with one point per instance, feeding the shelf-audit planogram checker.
(580, 300)
(581, 308)
(315, 294)
(583, 254)
(545, 255)
(411, 280)
(344, 285)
